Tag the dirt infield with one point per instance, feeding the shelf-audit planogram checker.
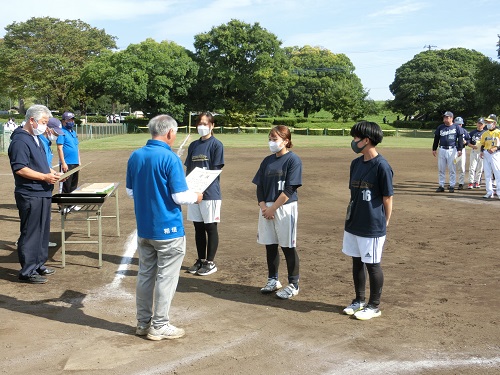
(440, 305)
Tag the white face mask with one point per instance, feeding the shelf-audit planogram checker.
(203, 130)
(52, 137)
(490, 125)
(275, 146)
(40, 129)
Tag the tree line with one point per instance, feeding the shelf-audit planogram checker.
(236, 68)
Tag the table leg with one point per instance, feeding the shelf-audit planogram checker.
(99, 224)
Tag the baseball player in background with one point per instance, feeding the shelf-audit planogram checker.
(450, 140)
(490, 147)
(460, 160)
(476, 162)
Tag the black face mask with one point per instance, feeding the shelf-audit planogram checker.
(355, 147)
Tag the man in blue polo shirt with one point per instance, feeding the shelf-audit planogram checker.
(34, 181)
(156, 182)
(69, 154)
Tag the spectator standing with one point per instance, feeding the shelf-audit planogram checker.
(10, 125)
(68, 151)
(34, 182)
(156, 182)
(206, 152)
(278, 178)
(476, 162)
(367, 218)
(449, 137)
(460, 161)
(54, 129)
(490, 147)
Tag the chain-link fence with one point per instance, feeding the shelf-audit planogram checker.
(85, 132)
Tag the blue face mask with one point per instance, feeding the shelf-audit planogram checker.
(69, 125)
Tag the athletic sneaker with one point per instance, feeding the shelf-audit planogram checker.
(367, 313)
(207, 268)
(287, 292)
(195, 267)
(354, 307)
(476, 185)
(440, 189)
(487, 196)
(168, 331)
(451, 189)
(460, 186)
(271, 286)
(142, 329)
(471, 186)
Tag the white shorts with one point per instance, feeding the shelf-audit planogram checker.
(281, 230)
(206, 211)
(367, 248)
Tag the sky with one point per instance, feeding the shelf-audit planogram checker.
(377, 36)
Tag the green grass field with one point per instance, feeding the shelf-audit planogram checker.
(134, 141)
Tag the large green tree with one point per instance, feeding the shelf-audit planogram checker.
(323, 80)
(151, 76)
(435, 81)
(243, 69)
(488, 87)
(43, 58)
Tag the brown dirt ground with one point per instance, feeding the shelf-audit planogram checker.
(440, 306)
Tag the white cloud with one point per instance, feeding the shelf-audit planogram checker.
(400, 9)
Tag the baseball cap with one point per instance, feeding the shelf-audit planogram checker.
(480, 120)
(56, 125)
(491, 117)
(448, 114)
(68, 115)
(459, 120)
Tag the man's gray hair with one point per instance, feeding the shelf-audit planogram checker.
(161, 124)
(37, 111)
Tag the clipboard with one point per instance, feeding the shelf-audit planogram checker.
(69, 173)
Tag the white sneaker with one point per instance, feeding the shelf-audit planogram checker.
(354, 307)
(271, 286)
(367, 313)
(168, 331)
(287, 292)
(487, 196)
(52, 244)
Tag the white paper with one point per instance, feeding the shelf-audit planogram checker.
(200, 179)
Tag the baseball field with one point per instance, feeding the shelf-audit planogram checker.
(440, 303)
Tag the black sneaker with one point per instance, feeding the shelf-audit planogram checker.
(33, 279)
(460, 186)
(440, 189)
(195, 267)
(207, 268)
(451, 189)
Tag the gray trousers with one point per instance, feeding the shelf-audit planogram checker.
(159, 268)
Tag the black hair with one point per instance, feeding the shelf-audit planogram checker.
(207, 115)
(368, 129)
